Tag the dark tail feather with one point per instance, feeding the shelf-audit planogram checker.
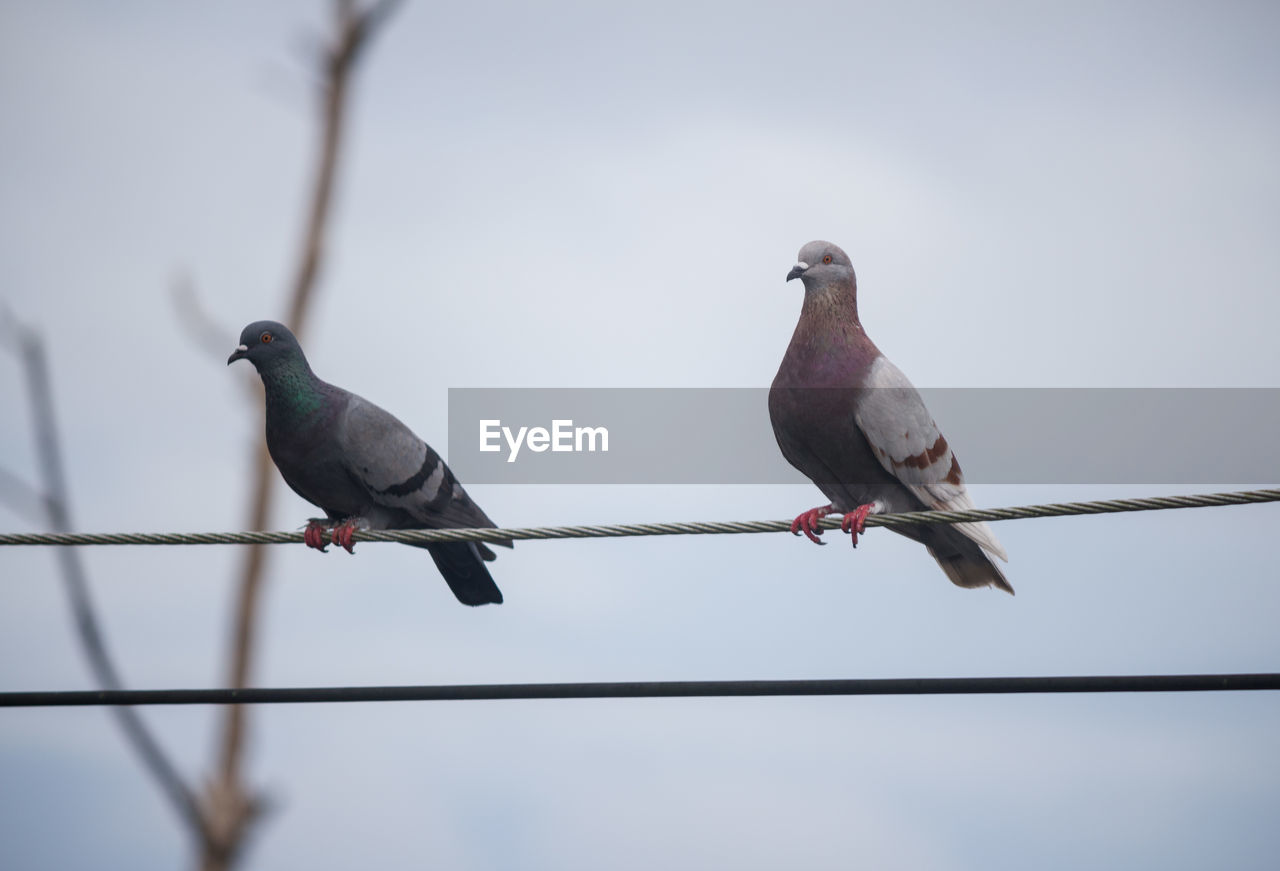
(965, 563)
(972, 570)
(488, 555)
(462, 565)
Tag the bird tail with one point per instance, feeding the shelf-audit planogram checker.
(488, 555)
(971, 569)
(462, 564)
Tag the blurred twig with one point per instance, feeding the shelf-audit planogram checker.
(353, 29)
(53, 507)
(207, 332)
(229, 806)
(220, 819)
(22, 498)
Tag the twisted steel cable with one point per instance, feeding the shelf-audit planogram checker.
(623, 530)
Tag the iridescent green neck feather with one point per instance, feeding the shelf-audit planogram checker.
(292, 389)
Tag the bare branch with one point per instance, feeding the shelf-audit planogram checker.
(353, 30)
(56, 512)
(22, 498)
(11, 330)
(365, 24)
(203, 327)
(227, 803)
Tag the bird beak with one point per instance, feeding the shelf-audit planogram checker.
(239, 353)
(797, 270)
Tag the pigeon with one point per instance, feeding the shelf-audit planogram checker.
(360, 465)
(851, 421)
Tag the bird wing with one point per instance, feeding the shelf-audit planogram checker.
(909, 445)
(401, 471)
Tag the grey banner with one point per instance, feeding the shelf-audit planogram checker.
(1001, 436)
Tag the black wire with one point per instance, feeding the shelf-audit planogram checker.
(1153, 683)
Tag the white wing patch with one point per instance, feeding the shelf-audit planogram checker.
(432, 485)
(908, 444)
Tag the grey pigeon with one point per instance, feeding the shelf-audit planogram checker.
(360, 465)
(851, 421)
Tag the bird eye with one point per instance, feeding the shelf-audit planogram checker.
(266, 338)
(826, 258)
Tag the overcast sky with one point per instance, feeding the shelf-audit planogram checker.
(572, 194)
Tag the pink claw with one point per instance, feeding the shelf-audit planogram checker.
(342, 536)
(807, 522)
(313, 535)
(855, 522)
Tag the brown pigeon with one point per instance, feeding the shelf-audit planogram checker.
(852, 422)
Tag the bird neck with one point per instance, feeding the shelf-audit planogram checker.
(292, 390)
(832, 306)
(829, 345)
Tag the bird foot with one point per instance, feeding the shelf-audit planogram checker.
(807, 522)
(314, 534)
(855, 521)
(342, 535)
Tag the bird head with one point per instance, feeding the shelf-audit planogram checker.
(263, 342)
(822, 263)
